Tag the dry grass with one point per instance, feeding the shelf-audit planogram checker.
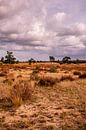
(8, 82)
(77, 73)
(82, 76)
(70, 67)
(47, 81)
(21, 92)
(34, 75)
(53, 69)
(15, 94)
(2, 74)
(66, 77)
(60, 105)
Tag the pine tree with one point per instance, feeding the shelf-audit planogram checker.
(9, 58)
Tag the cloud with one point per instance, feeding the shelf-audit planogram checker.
(77, 29)
(50, 27)
(9, 8)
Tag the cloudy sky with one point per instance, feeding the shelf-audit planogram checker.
(39, 28)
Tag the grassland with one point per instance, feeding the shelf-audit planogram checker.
(43, 96)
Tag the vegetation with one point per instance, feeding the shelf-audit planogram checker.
(47, 81)
(77, 73)
(82, 76)
(34, 75)
(66, 59)
(9, 58)
(53, 69)
(2, 59)
(20, 92)
(67, 77)
(31, 61)
(36, 96)
(52, 58)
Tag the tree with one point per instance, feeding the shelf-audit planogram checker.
(9, 58)
(52, 59)
(66, 59)
(31, 61)
(2, 59)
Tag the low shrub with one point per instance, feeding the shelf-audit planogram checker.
(66, 77)
(34, 75)
(53, 69)
(77, 73)
(20, 92)
(2, 74)
(38, 67)
(35, 71)
(46, 81)
(82, 76)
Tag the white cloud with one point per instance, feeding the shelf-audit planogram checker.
(60, 16)
(42, 26)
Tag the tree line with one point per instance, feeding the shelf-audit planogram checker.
(11, 59)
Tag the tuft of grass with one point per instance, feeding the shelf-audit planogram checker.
(16, 101)
(21, 92)
(47, 81)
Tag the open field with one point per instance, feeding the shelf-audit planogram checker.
(43, 96)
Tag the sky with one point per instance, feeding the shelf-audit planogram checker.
(42, 28)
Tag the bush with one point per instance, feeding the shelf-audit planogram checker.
(38, 67)
(77, 73)
(82, 76)
(53, 69)
(46, 81)
(67, 77)
(35, 72)
(2, 74)
(34, 75)
(20, 92)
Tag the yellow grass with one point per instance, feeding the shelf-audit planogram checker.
(43, 96)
